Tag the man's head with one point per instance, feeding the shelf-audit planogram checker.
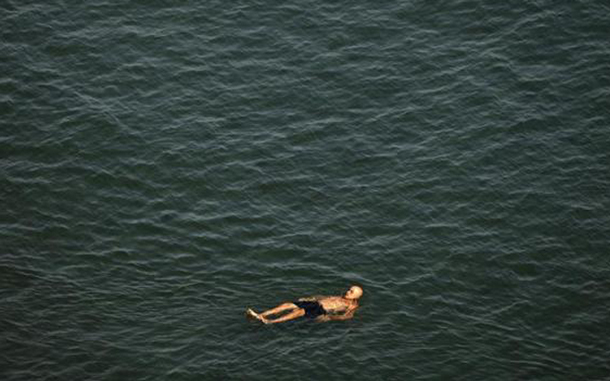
(354, 292)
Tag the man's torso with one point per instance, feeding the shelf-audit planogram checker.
(336, 304)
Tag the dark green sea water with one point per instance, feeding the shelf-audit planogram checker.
(166, 164)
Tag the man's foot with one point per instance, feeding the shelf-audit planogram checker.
(250, 313)
(253, 314)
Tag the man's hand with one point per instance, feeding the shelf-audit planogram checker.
(307, 299)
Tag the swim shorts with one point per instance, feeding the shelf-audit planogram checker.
(312, 309)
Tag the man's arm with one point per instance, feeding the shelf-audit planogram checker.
(311, 298)
(346, 316)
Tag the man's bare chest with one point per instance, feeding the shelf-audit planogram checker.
(334, 304)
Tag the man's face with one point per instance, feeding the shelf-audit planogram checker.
(353, 293)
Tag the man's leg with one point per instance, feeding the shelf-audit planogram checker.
(281, 308)
(292, 315)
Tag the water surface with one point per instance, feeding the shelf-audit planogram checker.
(164, 166)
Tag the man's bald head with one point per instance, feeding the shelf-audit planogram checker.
(355, 292)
